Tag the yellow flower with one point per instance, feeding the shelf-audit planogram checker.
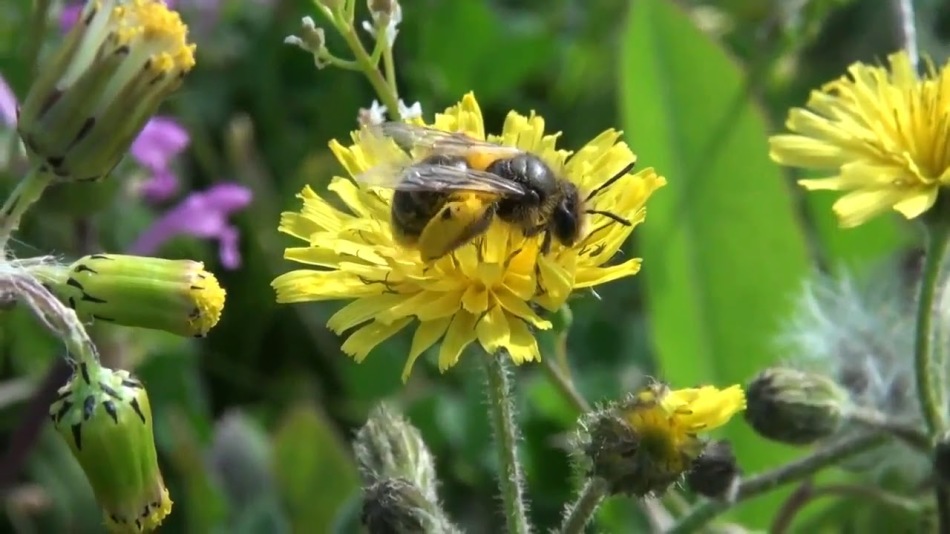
(486, 291)
(667, 422)
(884, 131)
(646, 442)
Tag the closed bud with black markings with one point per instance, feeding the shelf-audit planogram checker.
(715, 474)
(176, 296)
(106, 420)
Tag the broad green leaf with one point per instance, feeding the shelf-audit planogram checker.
(314, 470)
(723, 251)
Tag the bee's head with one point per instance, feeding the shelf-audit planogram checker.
(568, 215)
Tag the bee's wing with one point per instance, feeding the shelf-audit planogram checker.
(410, 136)
(424, 177)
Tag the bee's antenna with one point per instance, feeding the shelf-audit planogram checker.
(612, 216)
(623, 172)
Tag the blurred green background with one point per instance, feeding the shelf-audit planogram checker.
(253, 423)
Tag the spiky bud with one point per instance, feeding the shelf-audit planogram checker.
(121, 59)
(793, 406)
(715, 474)
(177, 296)
(388, 446)
(105, 418)
(646, 442)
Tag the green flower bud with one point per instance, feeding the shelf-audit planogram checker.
(715, 474)
(176, 296)
(105, 418)
(388, 446)
(117, 64)
(794, 407)
(397, 506)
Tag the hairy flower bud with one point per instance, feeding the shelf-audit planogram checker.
(388, 446)
(176, 296)
(397, 506)
(646, 442)
(715, 474)
(105, 418)
(794, 407)
(121, 59)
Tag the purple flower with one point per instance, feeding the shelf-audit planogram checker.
(155, 147)
(204, 215)
(7, 103)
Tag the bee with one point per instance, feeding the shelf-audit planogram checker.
(448, 187)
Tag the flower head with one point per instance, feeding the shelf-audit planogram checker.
(116, 65)
(202, 214)
(105, 418)
(884, 131)
(488, 290)
(649, 440)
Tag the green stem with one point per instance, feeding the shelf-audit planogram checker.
(907, 432)
(371, 70)
(510, 477)
(707, 510)
(582, 511)
(808, 494)
(27, 192)
(565, 386)
(930, 380)
(389, 65)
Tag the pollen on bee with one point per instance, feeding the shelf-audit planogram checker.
(480, 160)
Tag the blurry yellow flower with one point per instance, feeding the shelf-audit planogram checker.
(667, 422)
(883, 130)
(487, 290)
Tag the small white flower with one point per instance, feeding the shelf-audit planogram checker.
(376, 114)
(390, 23)
(410, 112)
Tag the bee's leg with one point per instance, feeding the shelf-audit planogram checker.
(546, 244)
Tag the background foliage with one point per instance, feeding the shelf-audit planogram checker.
(253, 422)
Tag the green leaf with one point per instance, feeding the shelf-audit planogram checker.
(723, 251)
(314, 470)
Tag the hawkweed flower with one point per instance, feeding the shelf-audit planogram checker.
(106, 420)
(488, 290)
(882, 131)
(177, 296)
(202, 214)
(650, 440)
(858, 332)
(114, 68)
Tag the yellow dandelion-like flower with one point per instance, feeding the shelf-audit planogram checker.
(884, 130)
(488, 290)
(668, 421)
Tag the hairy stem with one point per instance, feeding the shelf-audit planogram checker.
(707, 510)
(909, 433)
(809, 493)
(510, 476)
(580, 512)
(27, 192)
(930, 379)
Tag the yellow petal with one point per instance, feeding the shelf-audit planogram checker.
(857, 207)
(361, 310)
(475, 299)
(426, 306)
(522, 346)
(460, 334)
(492, 330)
(707, 407)
(601, 275)
(464, 117)
(427, 333)
(364, 340)
(304, 285)
(917, 203)
(519, 308)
